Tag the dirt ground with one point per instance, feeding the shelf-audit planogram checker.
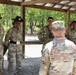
(30, 66)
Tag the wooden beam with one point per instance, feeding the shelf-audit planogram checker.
(72, 0)
(64, 5)
(68, 18)
(74, 12)
(46, 8)
(56, 3)
(43, 1)
(38, 1)
(44, 4)
(49, 8)
(73, 6)
(10, 2)
(23, 29)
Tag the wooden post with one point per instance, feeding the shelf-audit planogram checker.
(23, 29)
(68, 18)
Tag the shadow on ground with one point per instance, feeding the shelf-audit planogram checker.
(30, 66)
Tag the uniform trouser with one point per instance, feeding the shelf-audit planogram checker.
(14, 58)
(41, 71)
(42, 49)
(1, 59)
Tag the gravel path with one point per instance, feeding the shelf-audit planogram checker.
(30, 66)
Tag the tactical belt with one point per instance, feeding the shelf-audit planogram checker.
(18, 42)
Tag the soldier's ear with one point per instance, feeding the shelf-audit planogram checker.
(64, 30)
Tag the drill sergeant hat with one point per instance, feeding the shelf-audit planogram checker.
(18, 18)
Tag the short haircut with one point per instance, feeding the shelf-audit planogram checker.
(73, 22)
(50, 18)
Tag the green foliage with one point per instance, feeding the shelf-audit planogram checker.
(72, 17)
(8, 12)
(37, 17)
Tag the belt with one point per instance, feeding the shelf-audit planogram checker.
(15, 42)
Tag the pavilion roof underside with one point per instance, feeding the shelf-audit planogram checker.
(57, 5)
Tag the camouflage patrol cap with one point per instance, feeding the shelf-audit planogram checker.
(58, 25)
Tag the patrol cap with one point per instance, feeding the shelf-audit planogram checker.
(58, 25)
(18, 18)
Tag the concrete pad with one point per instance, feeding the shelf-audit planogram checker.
(30, 66)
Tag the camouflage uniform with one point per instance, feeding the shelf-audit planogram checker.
(58, 58)
(14, 50)
(1, 48)
(44, 35)
(71, 35)
(59, 55)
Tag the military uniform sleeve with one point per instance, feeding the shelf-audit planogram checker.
(45, 62)
(67, 33)
(74, 64)
(7, 37)
(41, 35)
(2, 32)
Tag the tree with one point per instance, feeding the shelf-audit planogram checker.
(36, 16)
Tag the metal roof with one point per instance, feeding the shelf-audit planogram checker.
(57, 5)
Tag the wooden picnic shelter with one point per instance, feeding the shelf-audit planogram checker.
(67, 6)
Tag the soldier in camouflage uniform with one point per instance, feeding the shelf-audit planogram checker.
(45, 34)
(71, 32)
(1, 47)
(59, 55)
(12, 39)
